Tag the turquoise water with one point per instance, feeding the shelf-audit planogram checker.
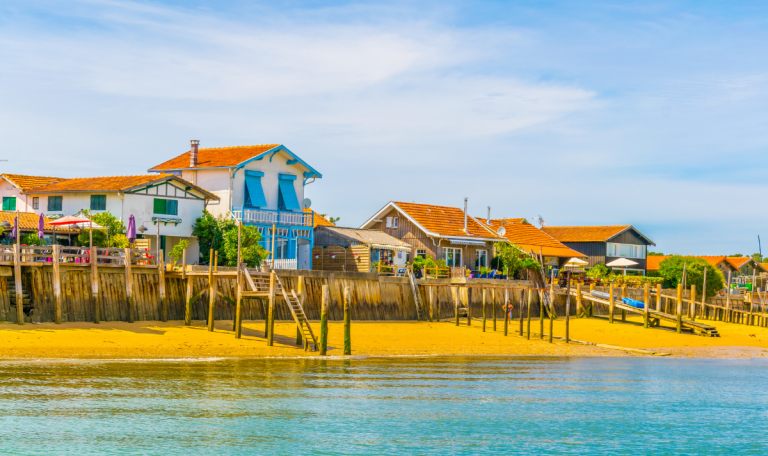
(386, 406)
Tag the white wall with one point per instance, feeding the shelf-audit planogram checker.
(7, 190)
(142, 208)
(72, 203)
(215, 181)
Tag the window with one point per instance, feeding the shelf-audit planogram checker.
(482, 259)
(421, 253)
(98, 202)
(286, 193)
(9, 203)
(625, 250)
(166, 207)
(54, 203)
(394, 222)
(36, 202)
(452, 256)
(254, 192)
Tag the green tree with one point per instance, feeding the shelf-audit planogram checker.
(30, 239)
(220, 234)
(508, 258)
(671, 270)
(736, 255)
(208, 230)
(103, 238)
(177, 252)
(251, 251)
(598, 271)
(655, 254)
(757, 257)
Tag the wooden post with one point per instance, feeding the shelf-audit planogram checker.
(347, 332)
(188, 307)
(484, 317)
(610, 303)
(17, 278)
(300, 295)
(95, 283)
(551, 308)
(623, 295)
(455, 303)
(57, 283)
(469, 306)
(239, 302)
(211, 293)
(184, 264)
(591, 304)
(579, 309)
(679, 308)
(541, 314)
(324, 321)
(727, 298)
(161, 288)
(530, 301)
(129, 283)
(493, 308)
(646, 303)
(519, 308)
(703, 295)
(658, 297)
(506, 314)
(271, 314)
(568, 310)
(692, 308)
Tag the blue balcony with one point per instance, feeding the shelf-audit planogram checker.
(255, 216)
(293, 234)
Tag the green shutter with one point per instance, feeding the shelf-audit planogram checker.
(171, 207)
(159, 206)
(9, 203)
(98, 202)
(54, 203)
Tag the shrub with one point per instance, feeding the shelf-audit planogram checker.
(598, 271)
(671, 271)
(177, 252)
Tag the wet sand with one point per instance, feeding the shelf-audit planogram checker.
(157, 340)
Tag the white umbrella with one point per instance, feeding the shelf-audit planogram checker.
(575, 262)
(623, 263)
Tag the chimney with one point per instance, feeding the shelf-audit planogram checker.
(465, 214)
(193, 153)
(488, 220)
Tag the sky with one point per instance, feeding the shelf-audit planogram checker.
(584, 113)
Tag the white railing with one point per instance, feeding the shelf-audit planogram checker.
(267, 216)
(282, 263)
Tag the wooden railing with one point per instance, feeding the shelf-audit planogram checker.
(30, 255)
(437, 273)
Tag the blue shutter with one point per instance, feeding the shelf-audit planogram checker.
(255, 192)
(172, 207)
(288, 193)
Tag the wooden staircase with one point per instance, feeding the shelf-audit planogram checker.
(26, 298)
(416, 295)
(259, 282)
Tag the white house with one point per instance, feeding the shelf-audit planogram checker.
(261, 185)
(165, 204)
(13, 186)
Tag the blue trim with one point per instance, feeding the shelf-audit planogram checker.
(248, 172)
(273, 154)
(255, 191)
(273, 151)
(288, 177)
(292, 238)
(291, 162)
(288, 193)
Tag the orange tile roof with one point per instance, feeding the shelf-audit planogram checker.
(28, 221)
(113, 184)
(584, 233)
(319, 220)
(764, 266)
(29, 182)
(215, 157)
(738, 262)
(528, 237)
(444, 220)
(652, 262)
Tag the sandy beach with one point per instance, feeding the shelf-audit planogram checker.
(158, 340)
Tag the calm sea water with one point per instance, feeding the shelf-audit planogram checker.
(386, 406)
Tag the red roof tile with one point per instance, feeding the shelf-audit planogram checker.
(584, 233)
(319, 220)
(113, 184)
(528, 237)
(444, 220)
(29, 182)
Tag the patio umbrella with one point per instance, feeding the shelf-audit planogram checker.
(15, 231)
(131, 233)
(575, 262)
(76, 222)
(623, 263)
(41, 226)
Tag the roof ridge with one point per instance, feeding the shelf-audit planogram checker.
(238, 147)
(585, 226)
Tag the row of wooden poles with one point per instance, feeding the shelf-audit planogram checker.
(55, 259)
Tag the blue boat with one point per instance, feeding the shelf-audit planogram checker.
(627, 301)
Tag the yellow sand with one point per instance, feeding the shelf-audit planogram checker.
(118, 340)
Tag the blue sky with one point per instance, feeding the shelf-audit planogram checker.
(644, 113)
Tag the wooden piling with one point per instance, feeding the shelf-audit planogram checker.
(551, 309)
(347, 329)
(623, 295)
(188, 307)
(161, 288)
(57, 283)
(568, 310)
(484, 317)
(692, 306)
(658, 297)
(129, 283)
(455, 303)
(579, 309)
(300, 295)
(211, 292)
(469, 307)
(239, 302)
(493, 307)
(679, 308)
(508, 308)
(530, 301)
(17, 282)
(646, 303)
(95, 283)
(704, 296)
(324, 321)
(506, 315)
(541, 314)
(611, 304)
(271, 312)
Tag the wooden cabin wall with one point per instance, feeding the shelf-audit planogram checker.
(356, 258)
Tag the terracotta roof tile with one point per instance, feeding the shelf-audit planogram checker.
(112, 184)
(528, 237)
(319, 220)
(738, 262)
(653, 261)
(584, 233)
(444, 220)
(28, 222)
(29, 182)
(215, 157)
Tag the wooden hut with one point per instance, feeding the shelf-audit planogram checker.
(353, 250)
